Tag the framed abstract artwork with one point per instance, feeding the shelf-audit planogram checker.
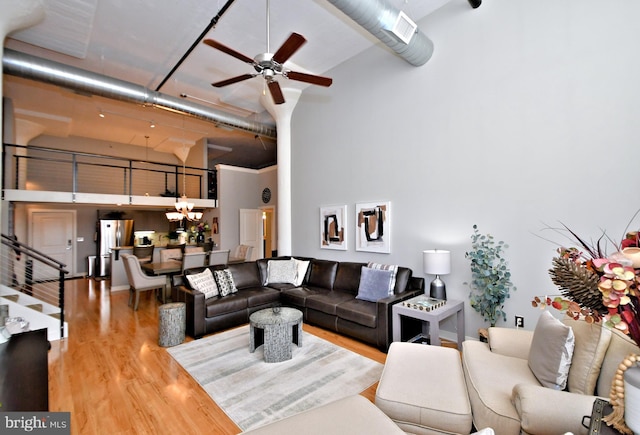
(333, 234)
(373, 227)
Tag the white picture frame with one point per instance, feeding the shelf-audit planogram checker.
(373, 227)
(333, 227)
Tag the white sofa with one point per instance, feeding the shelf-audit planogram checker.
(506, 396)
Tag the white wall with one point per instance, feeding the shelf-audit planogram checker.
(240, 188)
(526, 114)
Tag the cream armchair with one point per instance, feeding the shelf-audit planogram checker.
(505, 395)
(138, 281)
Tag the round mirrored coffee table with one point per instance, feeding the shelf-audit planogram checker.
(276, 329)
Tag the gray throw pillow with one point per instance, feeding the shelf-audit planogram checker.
(225, 282)
(551, 352)
(391, 267)
(282, 271)
(374, 284)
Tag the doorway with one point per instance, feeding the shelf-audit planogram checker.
(52, 232)
(268, 232)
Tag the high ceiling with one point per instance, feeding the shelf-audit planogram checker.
(141, 41)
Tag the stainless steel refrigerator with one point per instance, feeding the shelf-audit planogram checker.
(112, 233)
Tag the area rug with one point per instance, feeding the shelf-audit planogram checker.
(253, 393)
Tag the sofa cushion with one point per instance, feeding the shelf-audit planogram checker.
(490, 378)
(591, 343)
(204, 283)
(260, 296)
(245, 275)
(360, 312)
(374, 284)
(224, 280)
(297, 297)
(281, 271)
(422, 389)
(394, 272)
(322, 274)
(327, 302)
(402, 279)
(620, 346)
(218, 305)
(551, 351)
(348, 277)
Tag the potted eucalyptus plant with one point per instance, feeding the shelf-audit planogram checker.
(490, 277)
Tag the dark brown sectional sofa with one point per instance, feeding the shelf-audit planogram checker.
(327, 298)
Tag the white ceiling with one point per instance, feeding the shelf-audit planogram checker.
(140, 41)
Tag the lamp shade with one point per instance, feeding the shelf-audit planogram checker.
(437, 262)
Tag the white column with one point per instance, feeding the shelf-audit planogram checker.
(15, 15)
(282, 114)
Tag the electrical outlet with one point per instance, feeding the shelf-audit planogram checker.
(519, 322)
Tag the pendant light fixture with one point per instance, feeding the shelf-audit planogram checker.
(183, 206)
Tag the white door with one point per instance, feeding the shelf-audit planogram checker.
(53, 234)
(251, 231)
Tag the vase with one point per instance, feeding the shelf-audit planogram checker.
(632, 398)
(200, 238)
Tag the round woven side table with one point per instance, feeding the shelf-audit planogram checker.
(171, 324)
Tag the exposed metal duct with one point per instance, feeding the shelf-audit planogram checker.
(47, 71)
(374, 15)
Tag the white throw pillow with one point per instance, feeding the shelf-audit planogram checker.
(301, 266)
(394, 272)
(204, 283)
(281, 271)
(551, 352)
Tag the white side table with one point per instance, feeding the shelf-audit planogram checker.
(432, 317)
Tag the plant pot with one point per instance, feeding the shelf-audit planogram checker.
(632, 398)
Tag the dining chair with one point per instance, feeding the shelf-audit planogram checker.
(193, 249)
(144, 253)
(193, 259)
(138, 281)
(170, 254)
(241, 254)
(219, 257)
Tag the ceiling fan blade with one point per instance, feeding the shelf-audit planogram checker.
(276, 92)
(233, 80)
(290, 46)
(309, 78)
(229, 51)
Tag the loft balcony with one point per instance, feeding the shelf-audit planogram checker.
(36, 174)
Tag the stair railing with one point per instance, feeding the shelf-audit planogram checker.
(37, 275)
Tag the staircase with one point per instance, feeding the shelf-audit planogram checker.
(39, 301)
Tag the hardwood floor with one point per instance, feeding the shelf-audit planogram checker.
(112, 376)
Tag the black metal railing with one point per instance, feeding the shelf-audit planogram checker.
(46, 169)
(33, 273)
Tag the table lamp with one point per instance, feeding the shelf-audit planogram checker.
(437, 262)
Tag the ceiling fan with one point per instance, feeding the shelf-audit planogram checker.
(269, 65)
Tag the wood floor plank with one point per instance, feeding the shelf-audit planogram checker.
(114, 378)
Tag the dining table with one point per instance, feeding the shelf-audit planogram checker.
(162, 268)
(170, 267)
